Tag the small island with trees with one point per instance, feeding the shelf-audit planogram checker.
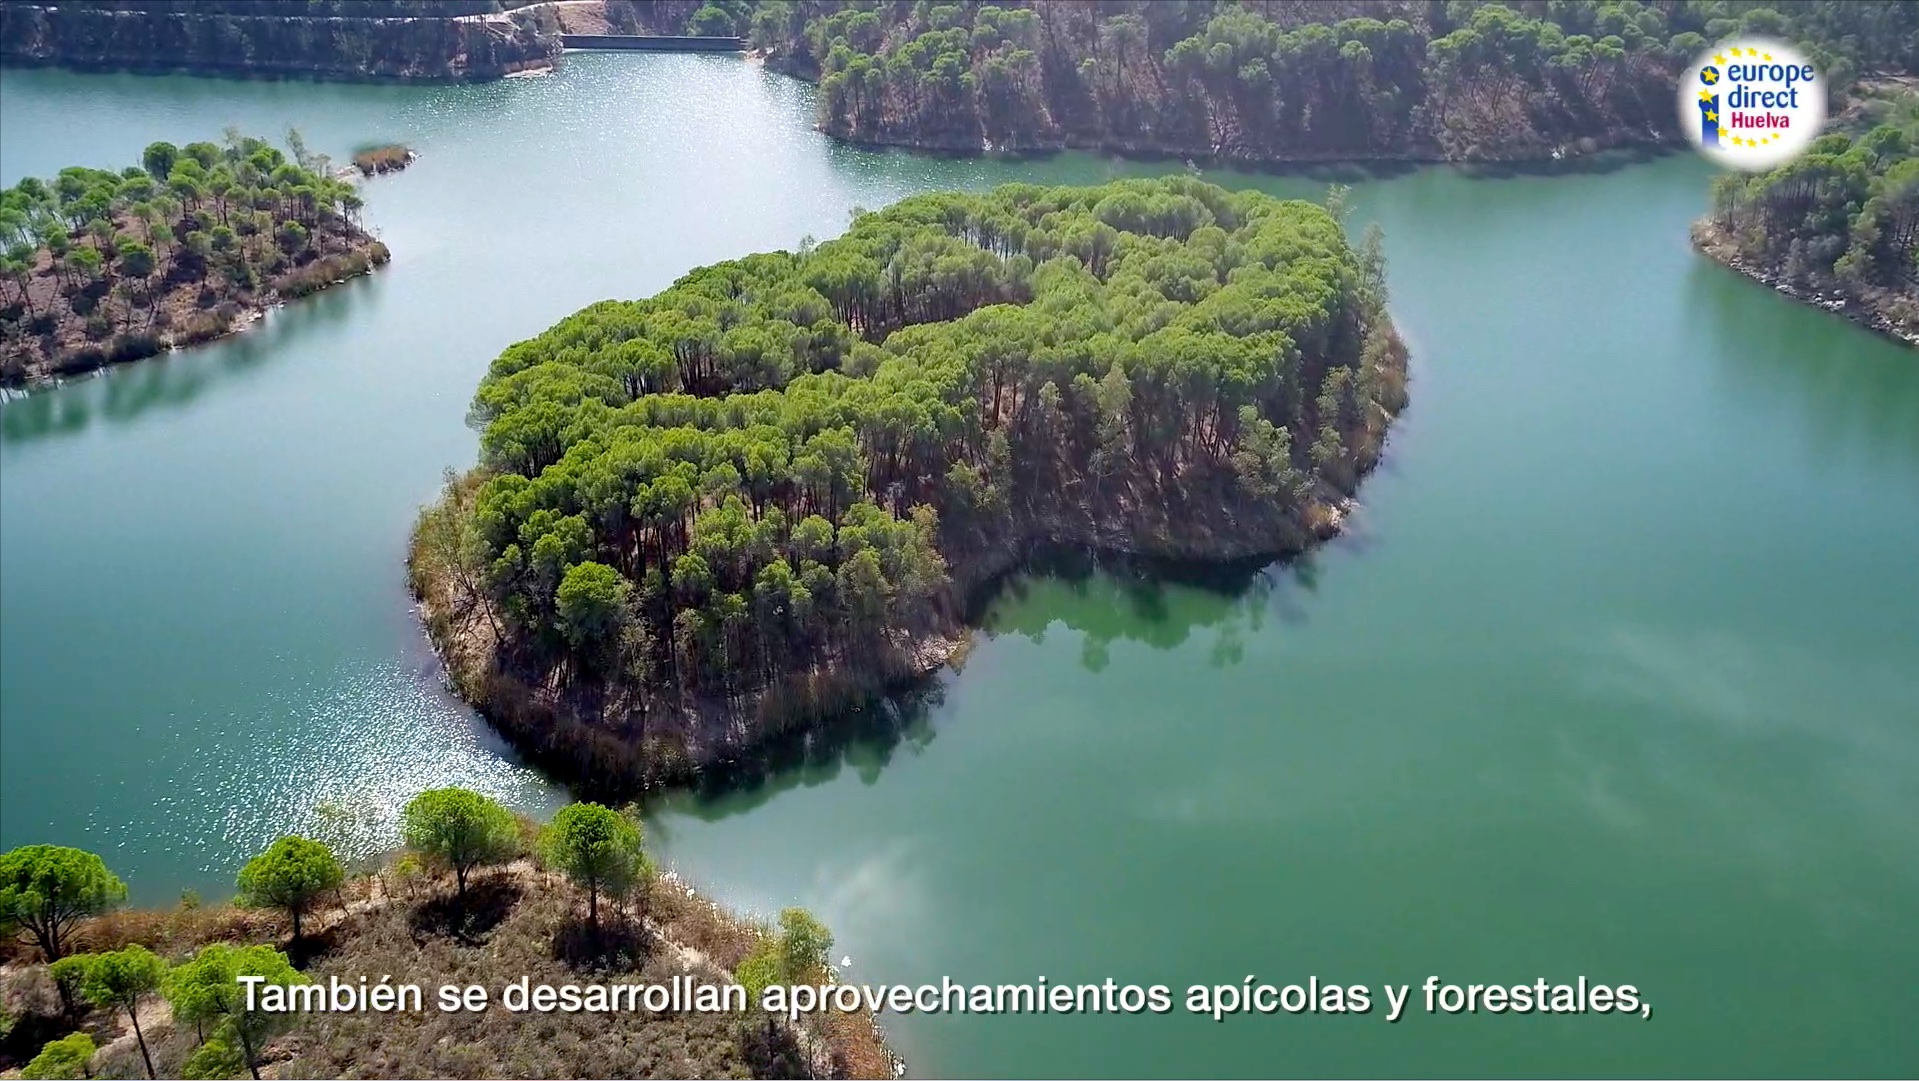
(1837, 227)
(386, 158)
(91, 988)
(99, 267)
(776, 489)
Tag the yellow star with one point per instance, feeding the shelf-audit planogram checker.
(1710, 76)
(1712, 116)
(1705, 95)
(1737, 141)
(1721, 58)
(1768, 56)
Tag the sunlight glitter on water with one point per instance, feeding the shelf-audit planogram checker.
(366, 740)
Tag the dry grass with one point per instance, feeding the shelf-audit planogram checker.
(177, 931)
(330, 270)
(513, 930)
(516, 922)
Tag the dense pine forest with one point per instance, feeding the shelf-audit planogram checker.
(98, 267)
(393, 39)
(769, 490)
(1274, 79)
(1839, 225)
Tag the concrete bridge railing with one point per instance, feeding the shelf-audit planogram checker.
(653, 44)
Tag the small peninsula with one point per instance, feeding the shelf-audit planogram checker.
(99, 267)
(1837, 227)
(90, 988)
(774, 490)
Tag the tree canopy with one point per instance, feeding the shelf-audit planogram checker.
(290, 875)
(598, 848)
(98, 266)
(802, 461)
(1842, 218)
(461, 828)
(119, 981)
(208, 990)
(46, 889)
(64, 1059)
(794, 953)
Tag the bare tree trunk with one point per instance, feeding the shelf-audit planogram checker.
(134, 1014)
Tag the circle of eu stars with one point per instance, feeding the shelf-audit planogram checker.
(1710, 76)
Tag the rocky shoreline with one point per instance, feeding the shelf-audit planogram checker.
(1252, 158)
(231, 317)
(1869, 310)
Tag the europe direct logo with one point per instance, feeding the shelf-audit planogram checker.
(1752, 103)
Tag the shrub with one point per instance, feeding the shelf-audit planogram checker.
(65, 1057)
(382, 159)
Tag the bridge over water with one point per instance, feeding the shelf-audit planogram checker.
(653, 43)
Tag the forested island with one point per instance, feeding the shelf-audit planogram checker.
(359, 39)
(772, 491)
(1271, 80)
(90, 988)
(99, 267)
(1837, 227)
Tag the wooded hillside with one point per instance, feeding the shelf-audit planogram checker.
(384, 39)
(1839, 225)
(1274, 79)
